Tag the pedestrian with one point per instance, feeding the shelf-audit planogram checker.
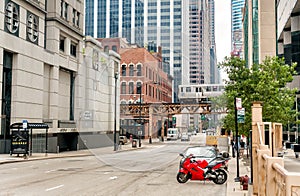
(242, 143)
(233, 148)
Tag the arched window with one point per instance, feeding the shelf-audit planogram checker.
(123, 88)
(131, 70)
(114, 48)
(131, 91)
(139, 70)
(123, 70)
(106, 49)
(138, 87)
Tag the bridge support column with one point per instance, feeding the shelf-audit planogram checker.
(150, 122)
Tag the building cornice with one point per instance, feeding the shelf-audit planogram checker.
(65, 24)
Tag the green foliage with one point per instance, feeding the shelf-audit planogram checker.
(265, 82)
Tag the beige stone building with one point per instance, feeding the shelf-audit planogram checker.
(259, 30)
(49, 74)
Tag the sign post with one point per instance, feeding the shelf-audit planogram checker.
(237, 106)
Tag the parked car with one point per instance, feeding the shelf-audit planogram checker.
(122, 139)
(185, 137)
(209, 153)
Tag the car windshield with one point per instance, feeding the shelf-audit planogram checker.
(201, 152)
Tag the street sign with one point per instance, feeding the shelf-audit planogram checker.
(241, 115)
(203, 117)
(25, 123)
(238, 102)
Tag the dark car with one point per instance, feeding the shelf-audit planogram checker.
(209, 153)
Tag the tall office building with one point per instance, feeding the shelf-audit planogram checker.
(147, 23)
(203, 63)
(237, 27)
(214, 71)
(199, 42)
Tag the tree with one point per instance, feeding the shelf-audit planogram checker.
(266, 82)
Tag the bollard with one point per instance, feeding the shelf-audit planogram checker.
(150, 140)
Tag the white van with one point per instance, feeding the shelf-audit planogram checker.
(173, 134)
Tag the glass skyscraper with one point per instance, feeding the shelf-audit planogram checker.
(146, 23)
(237, 27)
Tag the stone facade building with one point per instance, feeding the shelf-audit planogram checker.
(47, 75)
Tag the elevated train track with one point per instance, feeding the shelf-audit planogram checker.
(161, 109)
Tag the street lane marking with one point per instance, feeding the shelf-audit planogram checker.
(113, 177)
(50, 171)
(56, 187)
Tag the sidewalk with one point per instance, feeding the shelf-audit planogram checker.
(233, 188)
(6, 158)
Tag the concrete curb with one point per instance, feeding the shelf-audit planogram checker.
(79, 153)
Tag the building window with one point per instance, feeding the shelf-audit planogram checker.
(123, 88)
(131, 91)
(139, 70)
(12, 18)
(73, 47)
(114, 48)
(123, 70)
(78, 19)
(138, 87)
(131, 70)
(61, 8)
(188, 89)
(106, 49)
(32, 27)
(76, 16)
(64, 9)
(62, 43)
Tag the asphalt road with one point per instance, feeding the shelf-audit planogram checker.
(139, 172)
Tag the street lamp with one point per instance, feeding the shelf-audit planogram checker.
(115, 115)
(140, 115)
(140, 111)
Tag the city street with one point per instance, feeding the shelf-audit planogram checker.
(149, 171)
(291, 163)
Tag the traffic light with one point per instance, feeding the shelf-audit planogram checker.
(173, 120)
(203, 117)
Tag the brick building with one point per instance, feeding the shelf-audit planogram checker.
(143, 79)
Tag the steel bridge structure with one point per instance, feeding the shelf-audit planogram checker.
(149, 111)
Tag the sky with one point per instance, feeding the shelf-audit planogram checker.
(223, 30)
